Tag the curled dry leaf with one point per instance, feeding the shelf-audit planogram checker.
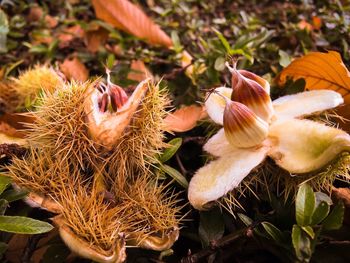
(185, 118)
(320, 71)
(74, 69)
(129, 17)
(139, 71)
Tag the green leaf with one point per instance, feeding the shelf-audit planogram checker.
(166, 253)
(315, 240)
(39, 49)
(285, 59)
(169, 152)
(4, 182)
(245, 219)
(219, 64)
(304, 205)
(4, 29)
(322, 197)
(308, 230)
(320, 213)
(23, 225)
(175, 174)
(14, 195)
(110, 61)
(273, 232)
(223, 40)
(211, 226)
(335, 219)
(10, 67)
(301, 244)
(176, 42)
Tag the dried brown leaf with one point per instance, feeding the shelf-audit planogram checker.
(74, 69)
(185, 118)
(320, 71)
(139, 71)
(129, 17)
(95, 38)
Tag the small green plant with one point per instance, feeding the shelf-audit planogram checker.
(313, 217)
(16, 224)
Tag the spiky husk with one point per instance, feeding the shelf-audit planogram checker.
(287, 185)
(248, 187)
(137, 148)
(150, 208)
(31, 82)
(60, 126)
(90, 216)
(271, 179)
(40, 173)
(102, 192)
(9, 98)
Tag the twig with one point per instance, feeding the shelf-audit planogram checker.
(182, 167)
(198, 139)
(215, 245)
(175, 72)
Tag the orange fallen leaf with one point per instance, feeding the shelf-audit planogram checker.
(185, 118)
(139, 71)
(74, 69)
(95, 38)
(69, 34)
(320, 71)
(316, 22)
(129, 17)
